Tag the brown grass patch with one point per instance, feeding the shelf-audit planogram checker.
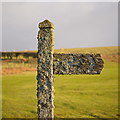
(6, 71)
(112, 58)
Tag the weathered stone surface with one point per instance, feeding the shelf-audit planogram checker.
(45, 87)
(60, 64)
(77, 64)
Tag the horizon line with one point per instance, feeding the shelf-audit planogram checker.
(56, 49)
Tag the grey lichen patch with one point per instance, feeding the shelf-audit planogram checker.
(77, 64)
(45, 89)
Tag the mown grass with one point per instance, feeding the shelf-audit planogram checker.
(76, 96)
(88, 95)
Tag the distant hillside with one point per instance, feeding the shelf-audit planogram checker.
(108, 53)
(101, 50)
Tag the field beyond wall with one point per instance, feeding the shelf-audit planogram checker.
(76, 96)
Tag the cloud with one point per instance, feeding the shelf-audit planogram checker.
(76, 24)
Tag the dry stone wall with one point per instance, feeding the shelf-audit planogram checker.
(45, 89)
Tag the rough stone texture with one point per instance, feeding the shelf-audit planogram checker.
(77, 64)
(60, 64)
(45, 89)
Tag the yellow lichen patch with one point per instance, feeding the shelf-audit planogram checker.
(46, 24)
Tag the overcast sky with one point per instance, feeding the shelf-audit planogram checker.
(77, 25)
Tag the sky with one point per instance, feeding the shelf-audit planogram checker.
(77, 24)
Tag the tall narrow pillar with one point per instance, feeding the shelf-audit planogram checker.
(45, 88)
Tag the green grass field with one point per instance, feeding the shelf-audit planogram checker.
(76, 96)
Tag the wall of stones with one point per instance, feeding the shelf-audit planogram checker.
(77, 64)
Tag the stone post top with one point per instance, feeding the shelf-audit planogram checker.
(46, 24)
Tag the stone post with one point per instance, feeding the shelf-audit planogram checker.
(45, 88)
